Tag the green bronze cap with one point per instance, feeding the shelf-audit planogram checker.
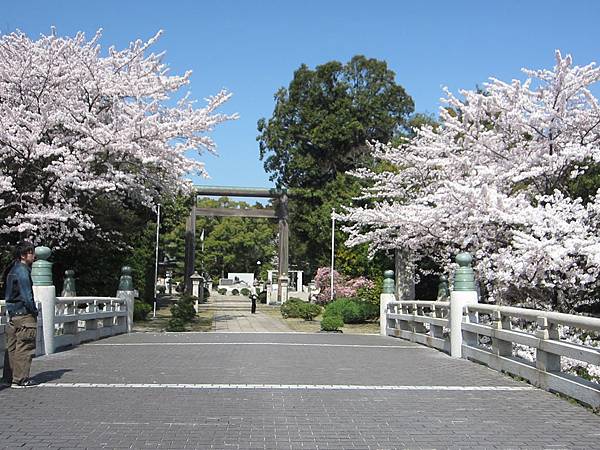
(464, 277)
(41, 270)
(126, 281)
(464, 259)
(388, 282)
(443, 291)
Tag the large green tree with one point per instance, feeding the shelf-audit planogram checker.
(319, 130)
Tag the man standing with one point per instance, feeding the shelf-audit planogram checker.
(22, 326)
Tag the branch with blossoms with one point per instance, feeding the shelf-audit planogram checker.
(76, 127)
(496, 178)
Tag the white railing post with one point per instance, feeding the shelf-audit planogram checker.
(387, 296)
(44, 293)
(125, 291)
(463, 293)
(546, 361)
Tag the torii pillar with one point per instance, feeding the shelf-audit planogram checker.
(190, 249)
(283, 280)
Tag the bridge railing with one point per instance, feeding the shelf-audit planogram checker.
(539, 346)
(70, 320)
(82, 319)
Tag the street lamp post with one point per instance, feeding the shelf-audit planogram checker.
(332, 250)
(156, 258)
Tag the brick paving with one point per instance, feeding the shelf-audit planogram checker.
(280, 391)
(232, 314)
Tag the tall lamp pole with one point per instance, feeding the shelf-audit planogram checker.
(332, 249)
(156, 257)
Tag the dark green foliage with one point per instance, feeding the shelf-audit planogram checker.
(176, 324)
(371, 295)
(262, 297)
(222, 291)
(318, 131)
(235, 292)
(141, 310)
(297, 308)
(184, 308)
(291, 308)
(206, 293)
(310, 311)
(322, 121)
(245, 292)
(352, 310)
(331, 323)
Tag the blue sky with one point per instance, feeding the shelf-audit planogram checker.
(252, 48)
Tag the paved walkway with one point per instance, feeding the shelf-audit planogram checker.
(288, 391)
(232, 314)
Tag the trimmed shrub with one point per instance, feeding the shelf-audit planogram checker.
(176, 324)
(141, 310)
(351, 310)
(331, 323)
(310, 311)
(222, 291)
(245, 292)
(297, 308)
(291, 308)
(184, 308)
(262, 297)
(235, 292)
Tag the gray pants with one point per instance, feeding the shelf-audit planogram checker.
(20, 346)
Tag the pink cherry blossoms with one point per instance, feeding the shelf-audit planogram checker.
(76, 126)
(342, 286)
(497, 178)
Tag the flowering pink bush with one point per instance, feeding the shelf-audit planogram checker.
(342, 286)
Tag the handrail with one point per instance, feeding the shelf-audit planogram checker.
(420, 303)
(88, 299)
(497, 343)
(533, 314)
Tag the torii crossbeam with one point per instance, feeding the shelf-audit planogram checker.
(280, 213)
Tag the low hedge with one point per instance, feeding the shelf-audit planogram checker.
(222, 291)
(235, 292)
(331, 323)
(184, 308)
(352, 310)
(245, 292)
(297, 308)
(141, 310)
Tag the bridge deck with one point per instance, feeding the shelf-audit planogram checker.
(270, 390)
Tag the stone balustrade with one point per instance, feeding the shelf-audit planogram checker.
(519, 341)
(82, 319)
(71, 320)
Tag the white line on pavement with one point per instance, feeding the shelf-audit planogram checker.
(321, 387)
(150, 344)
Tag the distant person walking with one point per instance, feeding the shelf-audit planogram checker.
(22, 326)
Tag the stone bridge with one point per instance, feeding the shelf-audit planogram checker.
(268, 390)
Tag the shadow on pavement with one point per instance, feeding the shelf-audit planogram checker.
(50, 375)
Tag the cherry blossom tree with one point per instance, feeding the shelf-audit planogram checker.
(343, 287)
(78, 126)
(497, 178)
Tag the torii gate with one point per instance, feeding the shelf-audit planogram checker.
(280, 213)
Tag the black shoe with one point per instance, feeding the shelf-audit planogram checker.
(24, 384)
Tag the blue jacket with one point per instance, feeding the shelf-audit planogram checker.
(18, 291)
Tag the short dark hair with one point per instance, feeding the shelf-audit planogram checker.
(22, 248)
